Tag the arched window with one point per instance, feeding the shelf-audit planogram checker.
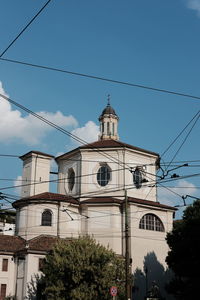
(46, 218)
(151, 222)
(108, 128)
(103, 175)
(71, 179)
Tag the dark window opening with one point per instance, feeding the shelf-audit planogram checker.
(5, 265)
(103, 175)
(71, 179)
(113, 128)
(108, 128)
(137, 178)
(46, 218)
(41, 264)
(3, 291)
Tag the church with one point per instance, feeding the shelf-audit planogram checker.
(105, 189)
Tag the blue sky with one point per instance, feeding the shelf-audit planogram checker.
(154, 43)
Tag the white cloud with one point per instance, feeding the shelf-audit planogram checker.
(88, 133)
(28, 130)
(194, 5)
(183, 188)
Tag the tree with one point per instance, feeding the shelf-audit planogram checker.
(184, 255)
(80, 269)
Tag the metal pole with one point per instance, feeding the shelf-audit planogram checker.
(127, 253)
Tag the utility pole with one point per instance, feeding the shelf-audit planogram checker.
(128, 287)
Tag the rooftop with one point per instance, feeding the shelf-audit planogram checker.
(108, 144)
(45, 197)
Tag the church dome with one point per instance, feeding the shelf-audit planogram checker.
(108, 123)
(108, 111)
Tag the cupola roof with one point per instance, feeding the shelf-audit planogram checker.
(108, 110)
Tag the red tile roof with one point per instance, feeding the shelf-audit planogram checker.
(111, 200)
(150, 203)
(45, 197)
(14, 244)
(42, 243)
(9, 243)
(109, 144)
(49, 197)
(102, 200)
(26, 155)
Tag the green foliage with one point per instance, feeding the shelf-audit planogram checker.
(183, 257)
(9, 297)
(7, 216)
(80, 269)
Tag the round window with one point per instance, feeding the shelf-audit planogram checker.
(71, 179)
(103, 175)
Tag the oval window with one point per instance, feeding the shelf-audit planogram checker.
(137, 178)
(103, 175)
(71, 179)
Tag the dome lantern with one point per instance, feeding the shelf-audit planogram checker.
(108, 123)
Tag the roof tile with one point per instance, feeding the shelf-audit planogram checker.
(9, 243)
(108, 144)
(45, 197)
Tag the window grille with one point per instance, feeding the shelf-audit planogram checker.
(103, 175)
(151, 222)
(46, 218)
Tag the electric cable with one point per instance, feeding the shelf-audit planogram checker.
(64, 131)
(93, 218)
(184, 140)
(126, 83)
(174, 164)
(22, 31)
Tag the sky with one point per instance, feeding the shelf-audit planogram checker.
(152, 43)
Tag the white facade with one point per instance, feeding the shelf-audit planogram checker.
(120, 160)
(36, 173)
(7, 228)
(8, 275)
(92, 183)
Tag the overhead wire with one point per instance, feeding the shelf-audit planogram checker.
(25, 28)
(174, 164)
(128, 187)
(197, 115)
(46, 121)
(91, 217)
(166, 165)
(176, 138)
(80, 74)
(100, 78)
(55, 180)
(186, 137)
(64, 131)
(126, 83)
(40, 116)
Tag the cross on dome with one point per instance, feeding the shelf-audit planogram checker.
(108, 100)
